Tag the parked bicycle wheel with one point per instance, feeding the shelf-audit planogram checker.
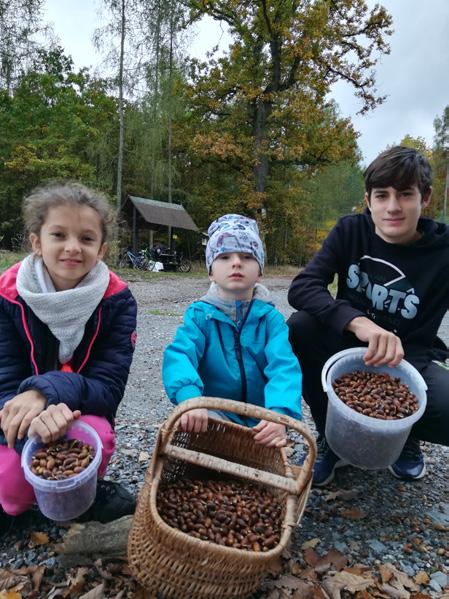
(185, 265)
(124, 261)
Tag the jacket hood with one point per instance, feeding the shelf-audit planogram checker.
(235, 309)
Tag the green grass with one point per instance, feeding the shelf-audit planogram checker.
(164, 313)
(7, 259)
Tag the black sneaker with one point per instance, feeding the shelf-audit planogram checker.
(410, 465)
(326, 462)
(6, 522)
(112, 501)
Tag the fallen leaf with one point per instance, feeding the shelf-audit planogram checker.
(288, 581)
(305, 591)
(345, 580)
(310, 543)
(311, 556)
(357, 569)
(423, 596)
(385, 573)
(401, 578)
(333, 559)
(77, 582)
(296, 568)
(395, 592)
(95, 593)
(421, 577)
(308, 574)
(144, 456)
(10, 595)
(354, 513)
(37, 576)
(441, 527)
(13, 581)
(343, 494)
(39, 538)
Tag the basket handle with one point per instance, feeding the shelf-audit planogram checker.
(291, 485)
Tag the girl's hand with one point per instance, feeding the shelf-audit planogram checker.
(18, 412)
(52, 423)
(271, 434)
(195, 421)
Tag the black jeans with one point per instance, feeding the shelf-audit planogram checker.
(313, 344)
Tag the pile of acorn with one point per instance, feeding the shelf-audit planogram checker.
(61, 459)
(376, 394)
(230, 513)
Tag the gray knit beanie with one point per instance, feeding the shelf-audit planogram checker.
(234, 233)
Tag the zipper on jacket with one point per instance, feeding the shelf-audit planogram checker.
(238, 353)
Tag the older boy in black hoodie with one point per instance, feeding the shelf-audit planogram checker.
(393, 292)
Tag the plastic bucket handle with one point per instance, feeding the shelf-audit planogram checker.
(355, 352)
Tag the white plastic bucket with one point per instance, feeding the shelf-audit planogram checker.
(364, 441)
(63, 500)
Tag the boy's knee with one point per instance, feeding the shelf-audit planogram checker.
(302, 323)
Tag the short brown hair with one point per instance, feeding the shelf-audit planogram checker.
(399, 167)
(41, 199)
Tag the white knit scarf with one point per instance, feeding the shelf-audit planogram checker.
(64, 312)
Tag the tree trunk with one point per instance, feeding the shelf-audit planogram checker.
(120, 110)
(85, 543)
(446, 186)
(262, 110)
(170, 121)
(156, 94)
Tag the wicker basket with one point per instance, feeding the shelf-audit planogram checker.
(175, 565)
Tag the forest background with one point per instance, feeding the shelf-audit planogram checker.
(252, 129)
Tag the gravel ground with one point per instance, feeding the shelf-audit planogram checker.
(369, 516)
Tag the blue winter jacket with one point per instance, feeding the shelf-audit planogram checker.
(210, 356)
(94, 382)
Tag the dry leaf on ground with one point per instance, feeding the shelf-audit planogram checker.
(395, 592)
(37, 577)
(344, 580)
(14, 581)
(354, 513)
(311, 556)
(333, 559)
(95, 593)
(10, 595)
(421, 577)
(290, 582)
(398, 579)
(311, 543)
(39, 538)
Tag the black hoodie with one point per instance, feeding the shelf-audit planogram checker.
(403, 288)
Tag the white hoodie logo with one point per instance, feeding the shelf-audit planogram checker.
(385, 285)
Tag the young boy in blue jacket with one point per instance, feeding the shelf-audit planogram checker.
(233, 343)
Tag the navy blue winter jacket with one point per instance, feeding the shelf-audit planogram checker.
(94, 383)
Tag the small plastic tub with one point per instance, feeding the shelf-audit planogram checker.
(360, 440)
(67, 499)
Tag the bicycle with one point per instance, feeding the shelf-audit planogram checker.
(139, 261)
(170, 260)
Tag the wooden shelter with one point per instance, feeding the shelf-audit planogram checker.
(151, 214)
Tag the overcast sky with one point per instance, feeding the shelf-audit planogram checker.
(414, 77)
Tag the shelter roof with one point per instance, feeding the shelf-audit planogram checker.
(164, 213)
